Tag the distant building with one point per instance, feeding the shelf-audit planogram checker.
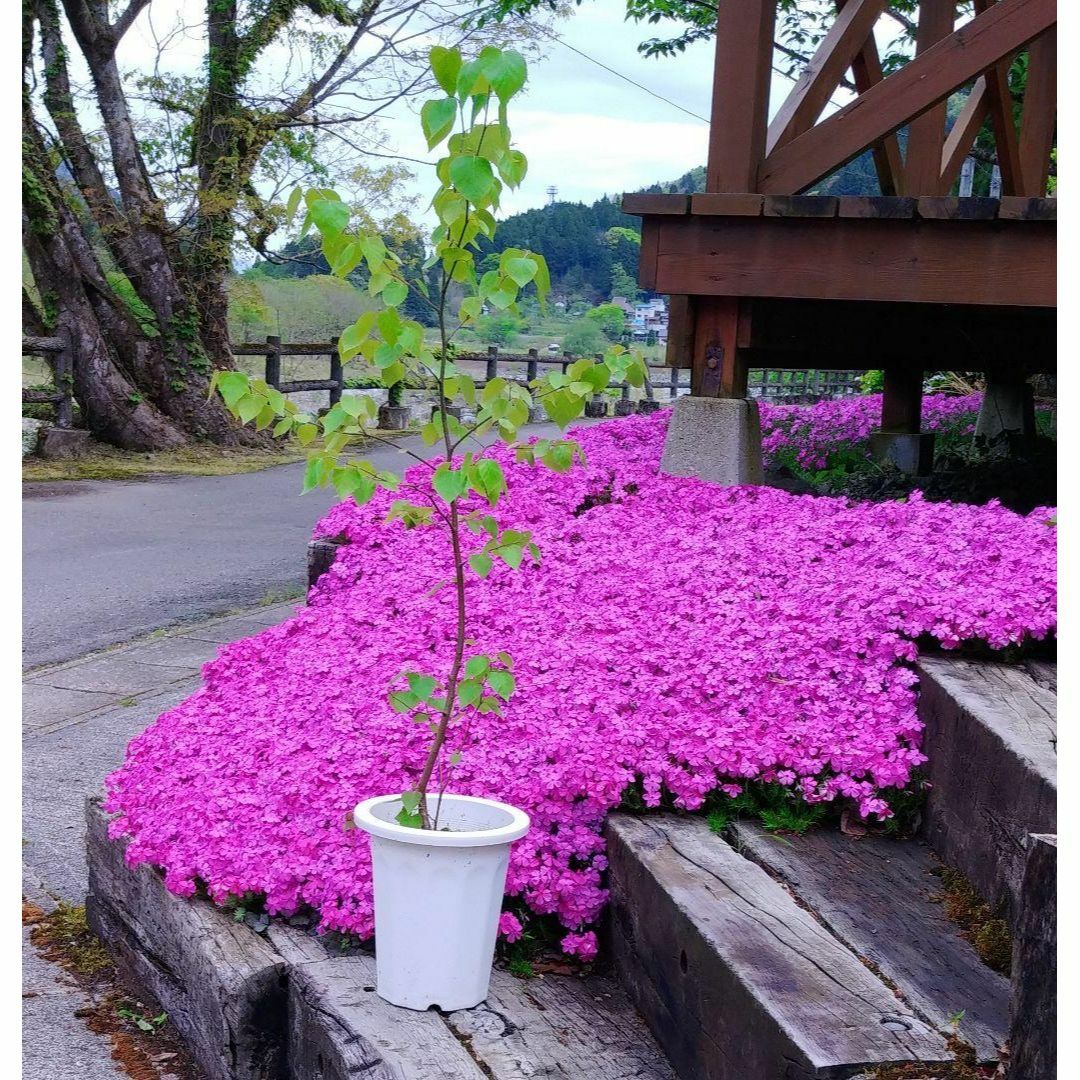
(650, 318)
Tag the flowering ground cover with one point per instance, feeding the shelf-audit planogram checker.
(834, 434)
(677, 637)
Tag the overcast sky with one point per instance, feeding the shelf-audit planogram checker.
(584, 129)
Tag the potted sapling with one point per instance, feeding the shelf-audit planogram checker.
(439, 858)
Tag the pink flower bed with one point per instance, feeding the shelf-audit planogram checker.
(814, 434)
(682, 635)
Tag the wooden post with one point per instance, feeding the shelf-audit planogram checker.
(674, 383)
(336, 373)
(531, 369)
(273, 360)
(926, 133)
(722, 330)
(901, 405)
(740, 99)
(1037, 120)
(63, 380)
(492, 363)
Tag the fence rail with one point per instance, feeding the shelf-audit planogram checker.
(58, 352)
(770, 384)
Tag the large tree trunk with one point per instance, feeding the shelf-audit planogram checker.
(141, 378)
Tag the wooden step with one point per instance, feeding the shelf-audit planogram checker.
(737, 980)
(991, 740)
(280, 1004)
(876, 895)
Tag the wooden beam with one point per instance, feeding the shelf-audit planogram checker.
(740, 101)
(888, 163)
(640, 203)
(1001, 118)
(1038, 118)
(1008, 263)
(1002, 30)
(721, 327)
(901, 400)
(849, 32)
(926, 133)
(680, 340)
(962, 134)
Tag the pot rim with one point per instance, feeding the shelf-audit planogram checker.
(515, 829)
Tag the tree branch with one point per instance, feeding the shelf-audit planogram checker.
(126, 18)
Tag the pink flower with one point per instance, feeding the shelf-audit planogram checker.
(677, 637)
(509, 926)
(581, 945)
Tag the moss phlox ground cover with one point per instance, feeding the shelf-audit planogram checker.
(676, 635)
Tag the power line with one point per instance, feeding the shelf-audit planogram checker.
(625, 78)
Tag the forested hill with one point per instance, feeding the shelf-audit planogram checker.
(584, 243)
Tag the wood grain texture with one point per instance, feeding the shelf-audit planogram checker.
(961, 137)
(941, 262)
(1038, 119)
(926, 132)
(909, 92)
(726, 204)
(876, 895)
(1033, 1037)
(560, 1026)
(756, 987)
(990, 737)
(888, 207)
(222, 985)
(952, 208)
(1016, 208)
(637, 203)
(815, 206)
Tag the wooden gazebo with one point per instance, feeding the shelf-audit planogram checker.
(909, 280)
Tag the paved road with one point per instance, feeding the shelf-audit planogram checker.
(106, 561)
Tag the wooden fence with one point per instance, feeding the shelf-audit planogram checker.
(767, 384)
(57, 351)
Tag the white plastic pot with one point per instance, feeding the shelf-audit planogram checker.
(438, 895)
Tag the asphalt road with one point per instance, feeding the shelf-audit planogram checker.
(107, 561)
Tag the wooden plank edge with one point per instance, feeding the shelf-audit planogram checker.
(636, 203)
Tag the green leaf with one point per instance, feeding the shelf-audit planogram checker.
(472, 176)
(450, 484)
(294, 202)
(395, 293)
(480, 563)
(469, 692)
(421, 685)
(476, 666)
(445, 66)
(505, 70)
(330, 216)
(506, 659)
(437, 119)
(488, 479)
(521, 270)
(562, 406)
(232, 385)
(513, 166)
(511, 554)
(501, 682)
(403, 701)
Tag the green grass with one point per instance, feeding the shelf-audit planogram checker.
(109, 463)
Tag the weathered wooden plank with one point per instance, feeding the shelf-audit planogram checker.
(1019, 208)
(787, 206)
(962, 134)
(560, 1026)
(726, 204)
(952, 208)
(958, 262)
(637, 203)
(1001, 118)
(991, 734)
(222, 985)
(887, 207)
(916, 87)
(875, 895)
(735, 979)
(1033, 1037)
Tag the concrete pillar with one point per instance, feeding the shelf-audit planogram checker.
(899, 442)
(1008, 409)
(714, 439)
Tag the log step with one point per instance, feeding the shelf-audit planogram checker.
(734, 977)
(991, 740)
(282, 1006)
(876, 895)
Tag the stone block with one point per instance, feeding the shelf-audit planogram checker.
(394, 417)
(649, 405)
(909, 452)
(1033, 1036)
(63, 442)
(596, 408)
(714, 439)
(991, 744)
(320, 557)
(624, 407)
